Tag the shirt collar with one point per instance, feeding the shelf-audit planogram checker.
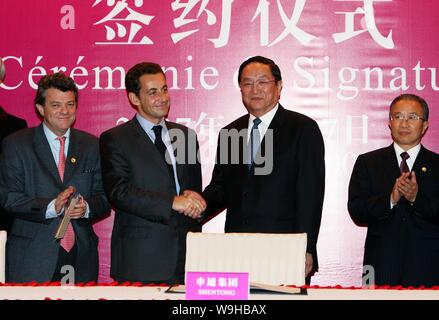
(413, 152)
(52, 136)
(266, 118)
(147, 125)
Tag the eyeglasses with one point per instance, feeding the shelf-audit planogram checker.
(260, 84)
(412, 117)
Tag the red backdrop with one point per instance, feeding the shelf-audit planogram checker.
(343, 61)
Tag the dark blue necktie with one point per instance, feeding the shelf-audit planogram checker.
(160, 145)
(255, 141)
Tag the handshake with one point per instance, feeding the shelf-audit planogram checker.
(191, 204)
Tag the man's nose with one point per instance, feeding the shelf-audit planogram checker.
(405, 122)
(64, 109)
(162, 94)
(255, 87)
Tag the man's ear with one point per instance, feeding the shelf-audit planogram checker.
(134, 99)
(424, 127)
(279, 85)
(40, 109)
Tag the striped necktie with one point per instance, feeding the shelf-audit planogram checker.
(68, 241)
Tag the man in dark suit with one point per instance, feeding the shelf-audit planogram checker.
(8, 124)
(279, 187)
(394, 191)
(41, 168)
(145, 182)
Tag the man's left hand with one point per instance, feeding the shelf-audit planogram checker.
(79, 210)
(409, 187)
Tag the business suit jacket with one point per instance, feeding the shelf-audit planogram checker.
(402, 244)
(290, 198)
(29, 181)
(8, 124)
(149, 239)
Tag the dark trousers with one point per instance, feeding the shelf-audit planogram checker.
(176, 278)
(64, 258)
(5, 221)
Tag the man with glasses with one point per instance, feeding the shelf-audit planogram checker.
(394, 191)
(288, 197)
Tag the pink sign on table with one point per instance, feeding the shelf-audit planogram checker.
(217, 286)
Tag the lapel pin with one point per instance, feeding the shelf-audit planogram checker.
(73, 160)
(424, 169)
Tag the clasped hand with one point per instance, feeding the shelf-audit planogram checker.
(405, 186)
(191, 204)
(61, 202)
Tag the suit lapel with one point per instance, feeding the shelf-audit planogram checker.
(72, 156)
(387, 169)
(391, 162)
(44, 153)
(422, 164)
(242, 124)
(178, 165)
(275, 126)
(145, 143)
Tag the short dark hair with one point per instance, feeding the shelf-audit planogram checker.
(132, 78)
(55, 80)
(412, 97)
(275, 71)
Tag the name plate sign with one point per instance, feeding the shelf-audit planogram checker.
(217, 286)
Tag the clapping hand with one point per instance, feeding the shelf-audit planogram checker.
(405, 186)
(408, 187)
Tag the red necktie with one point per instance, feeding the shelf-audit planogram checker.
(68, 240)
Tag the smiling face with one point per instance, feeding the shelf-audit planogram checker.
(59, 110)
(153, 100)
(264, 93)
(407, 133)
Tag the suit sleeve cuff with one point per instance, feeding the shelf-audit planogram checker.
(51, 212)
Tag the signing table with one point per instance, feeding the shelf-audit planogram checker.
(121, 292)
